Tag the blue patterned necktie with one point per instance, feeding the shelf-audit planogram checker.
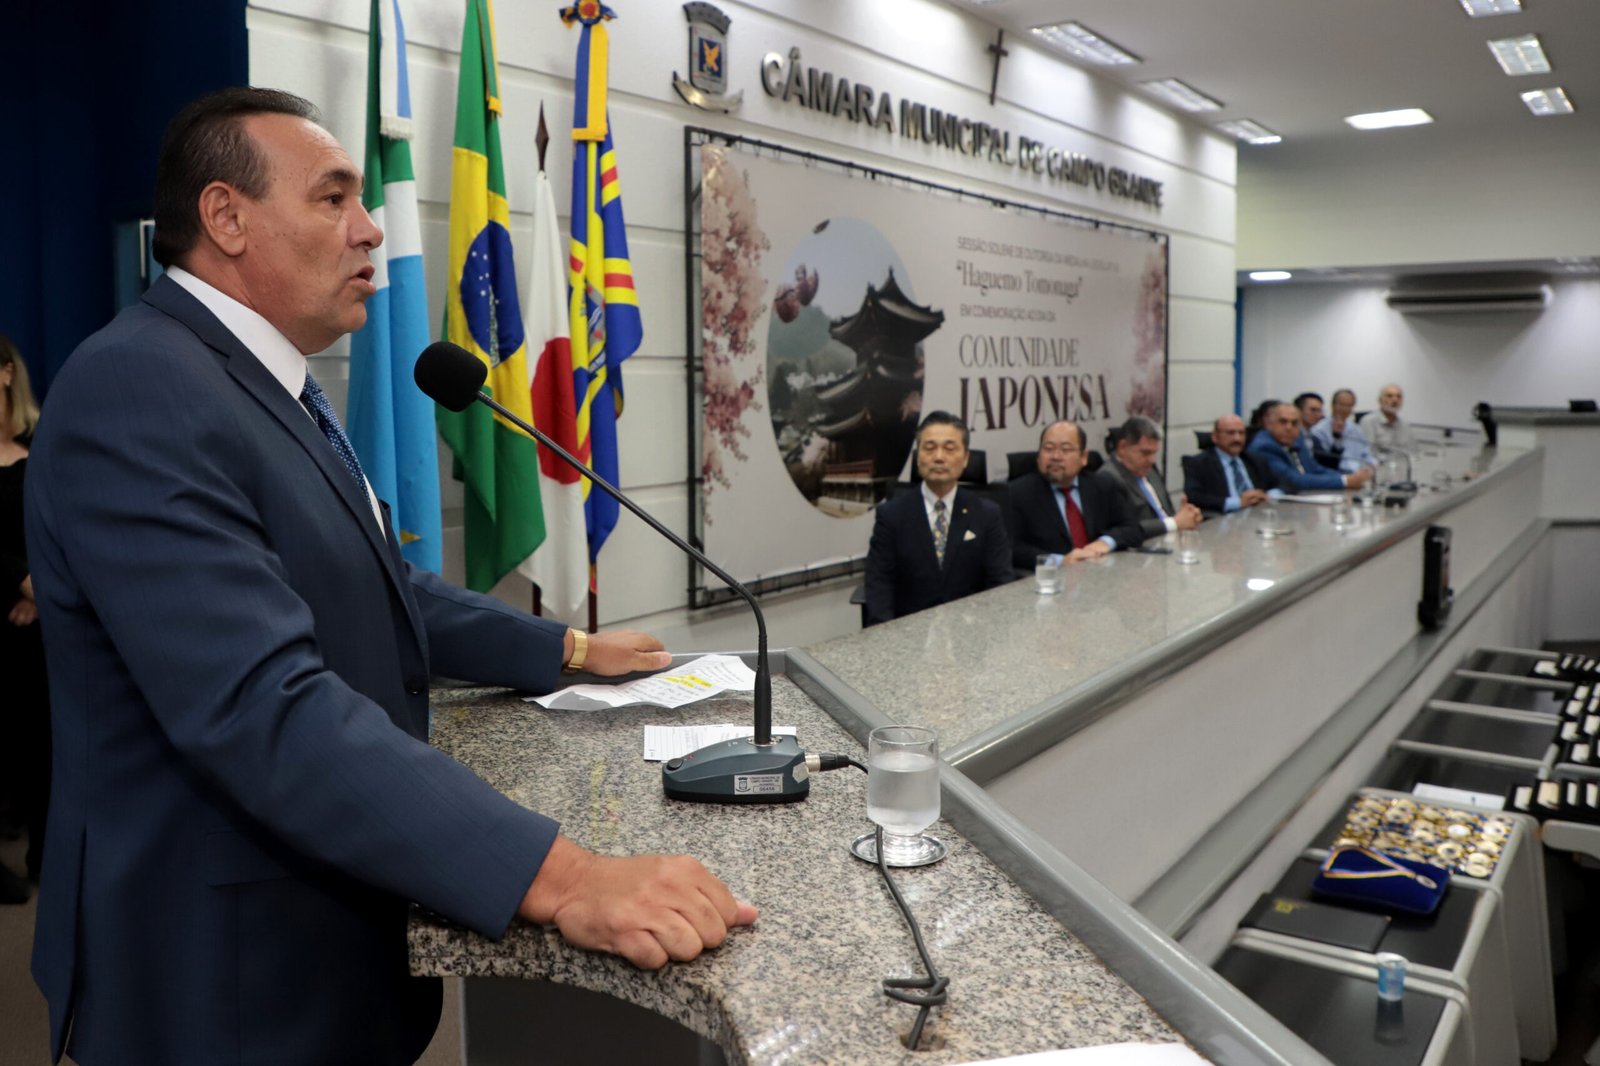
(941, 530)
(315, 402)
(1240, 482)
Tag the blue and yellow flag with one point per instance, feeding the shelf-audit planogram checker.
(391, 421)
(498, 462)
(606, 327)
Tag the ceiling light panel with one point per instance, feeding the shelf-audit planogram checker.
(1520, 55)
(1249, 131)
(1181, 95)
(1484, 8)
(1270, 275)
(1382, 120)
(1546, 102)
(1082, 43)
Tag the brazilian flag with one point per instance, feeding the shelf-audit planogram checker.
(498, 463)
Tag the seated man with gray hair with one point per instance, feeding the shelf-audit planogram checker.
(1133, 466)
(1340, 438)
(1384, 428)
(1287, 453)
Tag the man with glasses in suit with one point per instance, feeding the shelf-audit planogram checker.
(1065, 510)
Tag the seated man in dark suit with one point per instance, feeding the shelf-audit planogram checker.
(1224, 477)
(1287, 453)
(941, 542)
(1133, 466)
(1063, 509)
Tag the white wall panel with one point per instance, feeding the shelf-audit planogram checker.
(1323, 337)
(1202, 269)
(1404, 197)
(1198, 393)
(1200, 331)
(655, 410)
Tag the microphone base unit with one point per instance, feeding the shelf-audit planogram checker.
(739, 771)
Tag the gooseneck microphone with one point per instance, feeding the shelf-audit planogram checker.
(756, 769)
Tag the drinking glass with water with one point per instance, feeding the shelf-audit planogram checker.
(1047, 574)
(902, 795)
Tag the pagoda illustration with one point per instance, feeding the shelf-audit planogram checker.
(870, 415)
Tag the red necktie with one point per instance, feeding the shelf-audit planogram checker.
(1075, 526)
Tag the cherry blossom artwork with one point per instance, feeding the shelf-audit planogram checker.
(1148, 394)
(732, 293)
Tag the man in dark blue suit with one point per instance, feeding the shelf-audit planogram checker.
(1225, 477)
(939, 543)
(1063, 509)
(1287, 453)
(245, 800)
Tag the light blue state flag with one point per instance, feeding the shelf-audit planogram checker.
(391, 422)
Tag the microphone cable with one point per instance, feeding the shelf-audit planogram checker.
(924, 993)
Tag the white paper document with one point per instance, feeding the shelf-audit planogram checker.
(662, 742)
(1105, 1055)
(1321, 499)
(694, 680)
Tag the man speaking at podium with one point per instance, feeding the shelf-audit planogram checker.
(245, 800)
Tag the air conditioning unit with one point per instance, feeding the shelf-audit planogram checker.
(1441, 294)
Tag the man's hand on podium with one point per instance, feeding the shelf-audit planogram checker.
(647, 908)
(621, 651)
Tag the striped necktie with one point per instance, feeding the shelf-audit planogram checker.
(312, 397)
(1241, 481)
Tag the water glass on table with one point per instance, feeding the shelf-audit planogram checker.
(1188, 546)
(1342, 515)
(1047, 574)
(902, 795)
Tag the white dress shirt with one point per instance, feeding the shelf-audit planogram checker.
(277, 353)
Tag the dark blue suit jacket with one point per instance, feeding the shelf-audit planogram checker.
(1205, 483)
(903, 572)
(244, 797)
(1309, 476)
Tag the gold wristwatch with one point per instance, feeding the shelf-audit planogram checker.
(580, 650)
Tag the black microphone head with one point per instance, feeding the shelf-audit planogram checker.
(450, 375)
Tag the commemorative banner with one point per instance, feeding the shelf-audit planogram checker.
(839, 306)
